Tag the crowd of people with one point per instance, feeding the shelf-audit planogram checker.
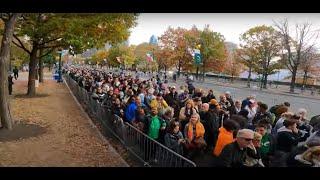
(192, 122)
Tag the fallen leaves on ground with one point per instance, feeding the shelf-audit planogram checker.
(69, 141)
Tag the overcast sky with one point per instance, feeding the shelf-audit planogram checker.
(231, 25)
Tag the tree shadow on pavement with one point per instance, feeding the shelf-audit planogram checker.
(26, 96)
(21, 131)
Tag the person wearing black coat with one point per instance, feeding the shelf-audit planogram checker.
(117, 108)
(191, 88)
(172, 97)
(16, 72)
(262, 114)
(288, 138)
(210, 121)
(209, 96)
(234, 154)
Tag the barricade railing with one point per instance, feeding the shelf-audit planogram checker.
(147, 150)
(152, 152)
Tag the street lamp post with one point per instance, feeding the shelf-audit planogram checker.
(59, 70)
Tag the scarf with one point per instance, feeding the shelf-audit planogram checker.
(199, 130)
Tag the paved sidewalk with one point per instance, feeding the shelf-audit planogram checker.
(69, 139)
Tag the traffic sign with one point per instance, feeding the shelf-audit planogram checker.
(197, 56)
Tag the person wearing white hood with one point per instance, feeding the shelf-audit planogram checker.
(149, 96)
(252, 109)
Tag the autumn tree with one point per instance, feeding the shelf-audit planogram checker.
(48, 31)
(163, 56)
(212, 50)
(173, 40)
(249, 57)
(121, 56)
(9, 20)
(309, 64)
(128, 56)
(44, 32)
(18, 57)
(266, 42)
(140, 53)
(181, 42)
(99, 57)
(295, 46)
(233, 65)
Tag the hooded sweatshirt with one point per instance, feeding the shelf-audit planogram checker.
(286, 139)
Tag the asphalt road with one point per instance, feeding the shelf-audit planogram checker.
(311, 105)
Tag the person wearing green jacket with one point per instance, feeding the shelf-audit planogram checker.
(267, 143)
(154, 125)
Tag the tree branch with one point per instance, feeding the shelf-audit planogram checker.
(50, 51)
(21, 44)
(4, 17)
(52, 46)
(46, 42)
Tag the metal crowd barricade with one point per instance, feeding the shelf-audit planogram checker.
(152, 152)
(147, 150)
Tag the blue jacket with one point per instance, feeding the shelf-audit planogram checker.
(131, 112)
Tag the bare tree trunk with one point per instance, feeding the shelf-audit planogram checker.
(179, 68)
(305, 77)
(265, 80)
(261, 82)
(40, 66)
(232, 77)
(249, 77)
(293, 80)
(32, 71)
(5, 115)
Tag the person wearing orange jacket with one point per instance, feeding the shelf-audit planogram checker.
(225, 135)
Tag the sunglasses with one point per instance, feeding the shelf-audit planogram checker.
(248, 139)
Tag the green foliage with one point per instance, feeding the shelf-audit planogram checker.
(212, 44)
(94, 30)
(18, 56)
(140, 53)
(99, 56)
(81, 31)
(49, 59)
(264, 44)
(125, 53)
(180, 42)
